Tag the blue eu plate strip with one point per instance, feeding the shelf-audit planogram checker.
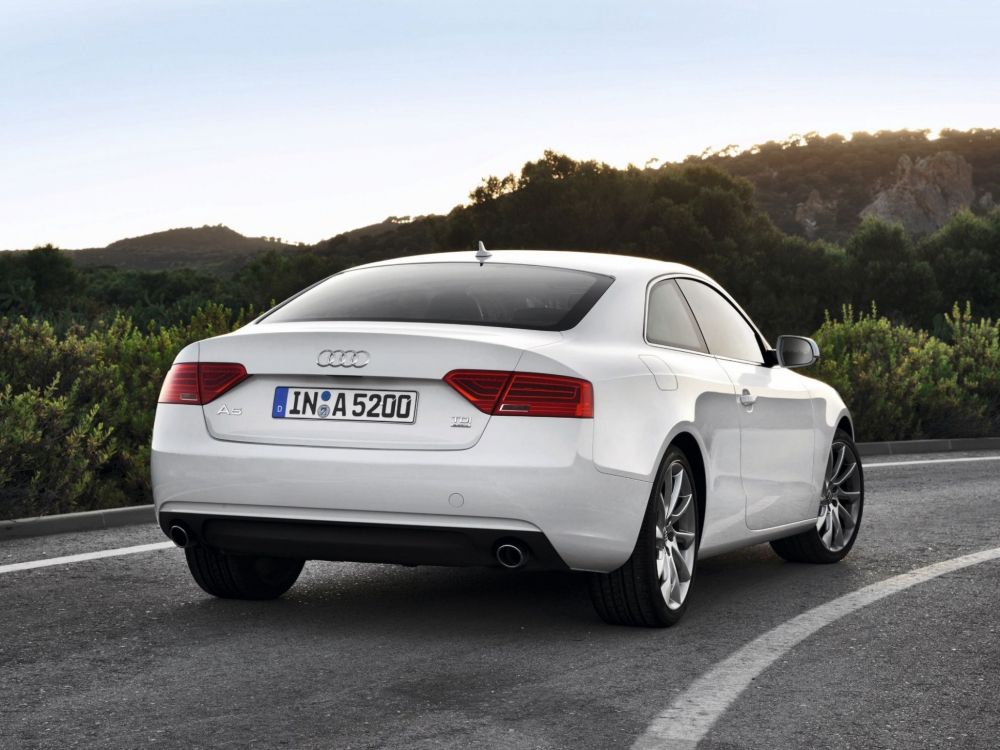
(280, 402)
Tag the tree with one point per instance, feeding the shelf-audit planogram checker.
(885, 269)
(53, 274)
(965, 257)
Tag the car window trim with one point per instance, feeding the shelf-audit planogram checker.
(761, 341)
(645, 319)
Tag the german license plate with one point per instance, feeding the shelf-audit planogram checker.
(345, 405)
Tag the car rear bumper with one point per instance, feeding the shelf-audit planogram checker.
(356, 542)
(528, 479)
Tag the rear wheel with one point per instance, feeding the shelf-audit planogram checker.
(241, 576)
(652, 588)
(840, 507)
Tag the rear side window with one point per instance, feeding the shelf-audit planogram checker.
(494, 294)
(669, 320)
(726, 331)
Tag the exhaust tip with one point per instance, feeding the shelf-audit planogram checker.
(179, 536)
(512, 556)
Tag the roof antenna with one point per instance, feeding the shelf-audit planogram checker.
(482, 254)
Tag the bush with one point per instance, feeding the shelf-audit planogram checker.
(77, 409)
(976, 357)
(904, 384)
(52, 454)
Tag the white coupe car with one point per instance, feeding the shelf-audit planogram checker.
(522, 409)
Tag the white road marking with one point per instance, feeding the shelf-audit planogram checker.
(67, 559)
(689, 718)
(930, 461)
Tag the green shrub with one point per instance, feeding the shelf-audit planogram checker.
(903, 384)
(73, 385)
(976, 356)
(52, 454)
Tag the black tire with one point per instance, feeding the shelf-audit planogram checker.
(631, 595)
(239, 576)
(808, 547)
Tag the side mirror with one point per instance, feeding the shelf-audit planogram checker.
(797, 351)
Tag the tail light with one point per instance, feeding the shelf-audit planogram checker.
(531, 395)
(200, 383)
(481, 387)
(524, 394)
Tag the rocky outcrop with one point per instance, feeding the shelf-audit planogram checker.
(925, 193)
(816, 215)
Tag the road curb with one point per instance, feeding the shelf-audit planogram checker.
(90, 520)
(909, 447)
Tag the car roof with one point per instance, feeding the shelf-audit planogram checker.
(618, 266)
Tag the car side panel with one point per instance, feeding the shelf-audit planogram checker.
(644, 397)
(777, 445)
(828, 410)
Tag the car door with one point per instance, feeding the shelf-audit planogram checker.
(696, 391)
(774, 412)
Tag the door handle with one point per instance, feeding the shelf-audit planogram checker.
(747, 398)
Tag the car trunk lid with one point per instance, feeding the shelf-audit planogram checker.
(302, 367)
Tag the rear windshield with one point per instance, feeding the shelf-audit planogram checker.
(494, 294)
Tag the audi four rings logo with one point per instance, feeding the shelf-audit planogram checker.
(343, 358)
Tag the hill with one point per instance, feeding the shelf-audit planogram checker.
(817, 187)
(693, 212)
(821, 187)
(812, 186)
(217, 249)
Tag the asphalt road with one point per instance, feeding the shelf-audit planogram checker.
(126, 652)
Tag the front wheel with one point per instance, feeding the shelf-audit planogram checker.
(653, 586)
(840, 507)
(241, 576)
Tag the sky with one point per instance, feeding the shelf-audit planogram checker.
(302, 119)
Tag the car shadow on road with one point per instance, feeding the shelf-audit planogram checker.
(442, 601)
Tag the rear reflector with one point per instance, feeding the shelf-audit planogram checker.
(524, 394)
(201, 383)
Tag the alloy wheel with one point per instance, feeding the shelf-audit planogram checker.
(676, 534)
(840, 506)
